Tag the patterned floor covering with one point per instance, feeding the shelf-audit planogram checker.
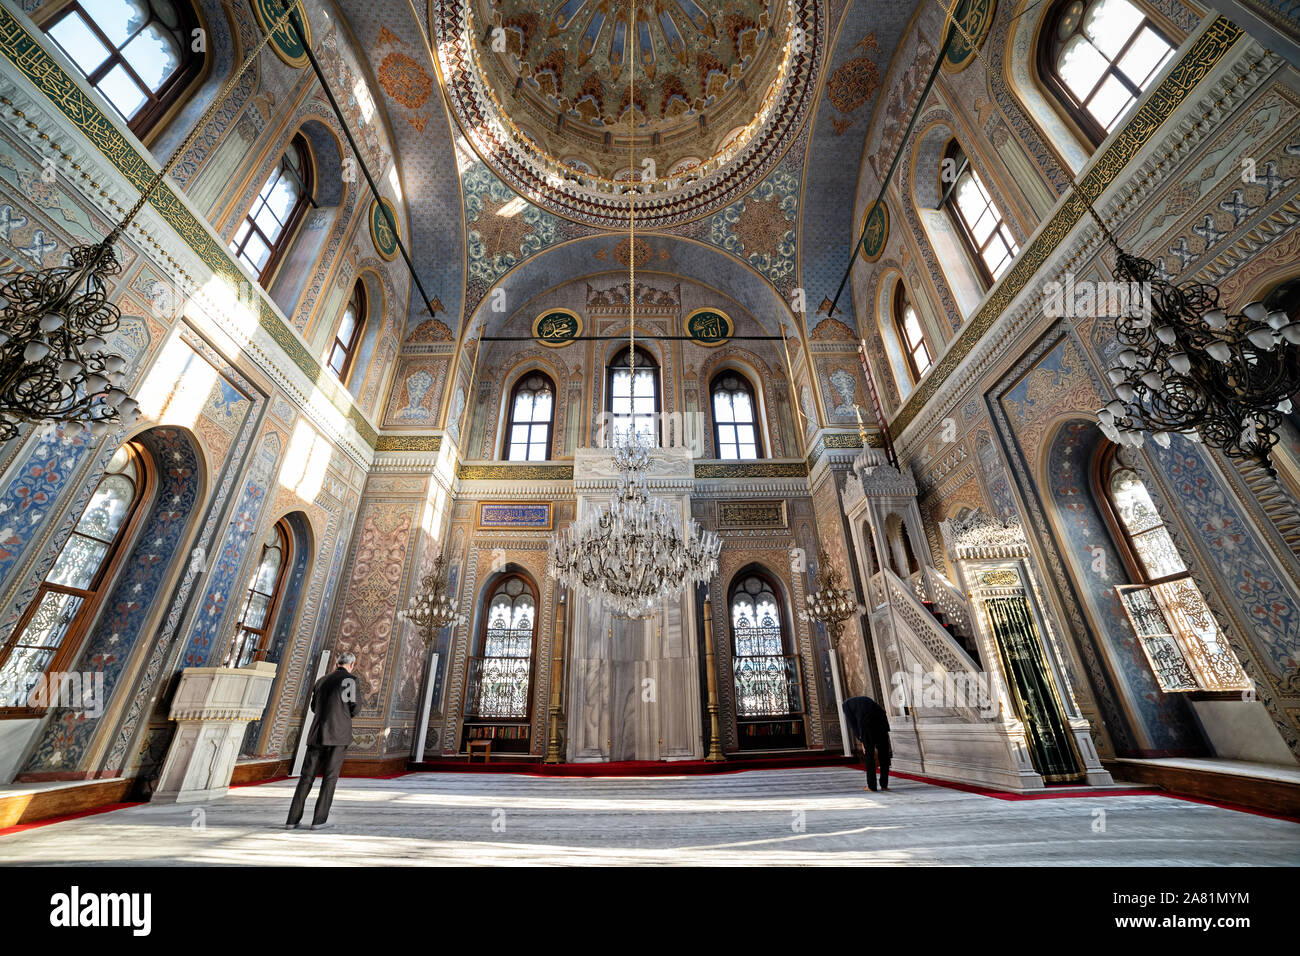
(807, 816)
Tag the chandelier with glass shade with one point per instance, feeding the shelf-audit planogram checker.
(638, 551)
(1186, 366)
(56, 367)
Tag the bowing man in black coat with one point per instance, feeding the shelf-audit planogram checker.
(870, 724)
(334, 701)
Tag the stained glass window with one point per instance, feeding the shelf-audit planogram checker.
(48, 632)
(735, 417)
(532, 409)
(261, 600)
(348, 333)
(500, 675)
(262, 237)
(632, 397)
(1101, 55)
(977, 217)
(766, 674)
(139, 55)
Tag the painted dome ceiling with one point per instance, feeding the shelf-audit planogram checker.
(544, 90)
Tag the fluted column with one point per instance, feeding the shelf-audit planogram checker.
(557, 680)
(711, 672)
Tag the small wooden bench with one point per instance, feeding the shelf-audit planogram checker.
(483, 745)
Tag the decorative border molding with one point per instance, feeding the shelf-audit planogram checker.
(42, 71)
(1205, 54)
(408, 443)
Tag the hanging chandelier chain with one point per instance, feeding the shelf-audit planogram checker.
(631, 219)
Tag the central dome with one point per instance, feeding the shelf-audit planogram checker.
(546, 94)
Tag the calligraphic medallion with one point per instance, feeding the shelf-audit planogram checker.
(875, 228)
(381, 229)
(709, 327)
(285, 42)
(976, 19)
(557, 328)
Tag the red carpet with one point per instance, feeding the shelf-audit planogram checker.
(634, 768)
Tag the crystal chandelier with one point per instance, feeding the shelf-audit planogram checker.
(433, 608)
(636, 551)
(1188, 367)
(830, 603)
(55, 367)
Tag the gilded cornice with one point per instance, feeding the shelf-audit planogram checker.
(413, 443)
(514, 472)
(752, 469)
(42, 71)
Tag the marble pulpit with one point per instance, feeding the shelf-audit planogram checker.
(634, 686)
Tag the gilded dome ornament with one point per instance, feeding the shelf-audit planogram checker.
(545, 99)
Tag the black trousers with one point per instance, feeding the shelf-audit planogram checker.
(326, 761)
(874, 752)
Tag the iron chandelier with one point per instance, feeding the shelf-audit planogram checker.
(1186, 366)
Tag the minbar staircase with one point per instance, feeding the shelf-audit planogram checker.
(966, 641)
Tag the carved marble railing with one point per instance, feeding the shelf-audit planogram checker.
(947, 597)
(908, 621)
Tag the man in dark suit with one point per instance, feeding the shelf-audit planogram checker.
(334, 702)
(870, 724)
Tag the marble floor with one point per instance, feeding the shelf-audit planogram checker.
(807, 816)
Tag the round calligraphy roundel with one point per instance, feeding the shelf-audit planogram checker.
(285, 40)
(557, 328)
(381, 229)
(876, 229)
(976, 19)
(709, 327)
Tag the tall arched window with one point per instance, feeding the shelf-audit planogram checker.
(911, 336)
(735, 417)
(975, 216)
(632, 395)
(261, 600)
(532, 411)
(262, 238)
(1175, 627)
(49, 634)
(139, 54)
(499, 691)
(769, 704)
(1097, 57)
(348, 334)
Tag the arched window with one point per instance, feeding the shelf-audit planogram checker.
(49, 634)
(532, 410)
(1097, 57)
(632, 396)
(348, 335)
(769, 704)
(975, 216)
(1176, 628)
(263, 236)
(911, 336)
(261, 600)
(139, 54)
(735, 417)
(499, 694)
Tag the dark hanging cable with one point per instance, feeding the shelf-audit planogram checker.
(898, 154)
(334, 104)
